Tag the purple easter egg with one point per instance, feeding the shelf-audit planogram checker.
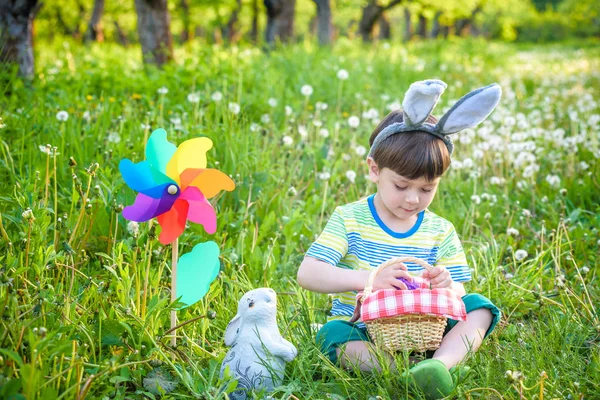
(409, 284)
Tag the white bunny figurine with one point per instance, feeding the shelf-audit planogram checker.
(258, 352)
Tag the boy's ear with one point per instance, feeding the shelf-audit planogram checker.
(373, 170)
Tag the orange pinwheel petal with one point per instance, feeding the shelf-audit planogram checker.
(211, 182)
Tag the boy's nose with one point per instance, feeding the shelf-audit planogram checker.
(412, 199)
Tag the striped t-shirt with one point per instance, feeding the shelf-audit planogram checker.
(356, 238)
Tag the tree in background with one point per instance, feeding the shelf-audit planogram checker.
(154, 29)
(16, 36)
(95, 31)
(372, 13)
(324, 28)
(280, 20)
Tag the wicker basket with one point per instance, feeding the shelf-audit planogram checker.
(412, 332)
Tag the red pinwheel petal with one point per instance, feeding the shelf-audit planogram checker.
(173, 221)
(200, 210)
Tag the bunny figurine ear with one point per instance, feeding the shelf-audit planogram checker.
(470, 110)
(233, 329)
(420, 99)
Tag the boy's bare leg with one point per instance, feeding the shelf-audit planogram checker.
(464, 337)
(363, 354)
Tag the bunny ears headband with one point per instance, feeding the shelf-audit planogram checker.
(421, 98)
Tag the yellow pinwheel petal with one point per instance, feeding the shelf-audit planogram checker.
(189, 154)
(211, 182)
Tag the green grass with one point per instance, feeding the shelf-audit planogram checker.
(75, 321)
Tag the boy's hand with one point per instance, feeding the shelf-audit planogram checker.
(439, 277)
(388, 278)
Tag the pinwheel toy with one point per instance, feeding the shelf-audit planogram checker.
(174, 186)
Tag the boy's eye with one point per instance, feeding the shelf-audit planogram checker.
(427, 190)
(400, 188)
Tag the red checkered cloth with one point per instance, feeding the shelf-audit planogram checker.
(390, 303)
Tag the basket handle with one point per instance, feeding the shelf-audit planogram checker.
(369, 287)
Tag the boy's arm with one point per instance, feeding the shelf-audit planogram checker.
(459, 288)
(319, 276)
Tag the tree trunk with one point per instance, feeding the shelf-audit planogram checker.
(16, 38)
(122, 37)
(371, 13)
(385, 31)
(464, 25)
(230, 29)
(408, 29)
(324, 21)
(280, 20)
(95, 30)
(435, 26)
(422, 26)
(184, 6)
(254, 31)
(154, 31)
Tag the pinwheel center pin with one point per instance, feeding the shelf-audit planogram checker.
(172, 189)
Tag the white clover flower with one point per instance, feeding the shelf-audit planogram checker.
(526, 213)
(508, 276)
(384, 97)
(324, 175)
(346, 157)
(306, 90)
(468, 163)
(287, 140)
(86, 116)
(361, 150)
(317, 123)
(324, 132)
(265, 119)
(530, 170)
(145, 126)
(553, 180)
(476, 199)
(62, 116)
(133, 228)
(217, 97)
(234, 108)
(193, 98)
(114, 137)
(288, 110)
(342, 74)
(582, 165)
(254, 127)
(354, 121)
(351, 175)
(394, 106)
(302, 131)
(512, 232)
(494, 180)
(292, 191)
(321, 106)
(272, 102)
(28, 214)
(163, 90)
(520, 254)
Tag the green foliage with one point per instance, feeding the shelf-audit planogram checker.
(86, 296)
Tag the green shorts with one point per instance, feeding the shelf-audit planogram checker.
(335, 333)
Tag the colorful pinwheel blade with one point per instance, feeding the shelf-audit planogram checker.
(159, 150)
(210, 181)
(200, 210)
(146, 208)
(141, 178)
(196, 270)
(173, 222)
(189, 154)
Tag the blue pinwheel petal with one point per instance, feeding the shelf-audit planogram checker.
(159, 150)
(142, 178)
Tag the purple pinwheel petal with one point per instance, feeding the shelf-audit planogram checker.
(409, 284)
(145, 208)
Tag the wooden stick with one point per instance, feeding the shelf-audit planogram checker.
(175, 254)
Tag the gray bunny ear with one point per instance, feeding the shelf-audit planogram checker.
(232, 330)
(470, 110)
(420, 99)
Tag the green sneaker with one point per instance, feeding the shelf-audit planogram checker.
(432, 378)
(459, 373)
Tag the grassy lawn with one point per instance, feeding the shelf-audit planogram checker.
(523, 192)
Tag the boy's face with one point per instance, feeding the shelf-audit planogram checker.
(403, 197)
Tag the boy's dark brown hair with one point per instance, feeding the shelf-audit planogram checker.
(411, 154)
